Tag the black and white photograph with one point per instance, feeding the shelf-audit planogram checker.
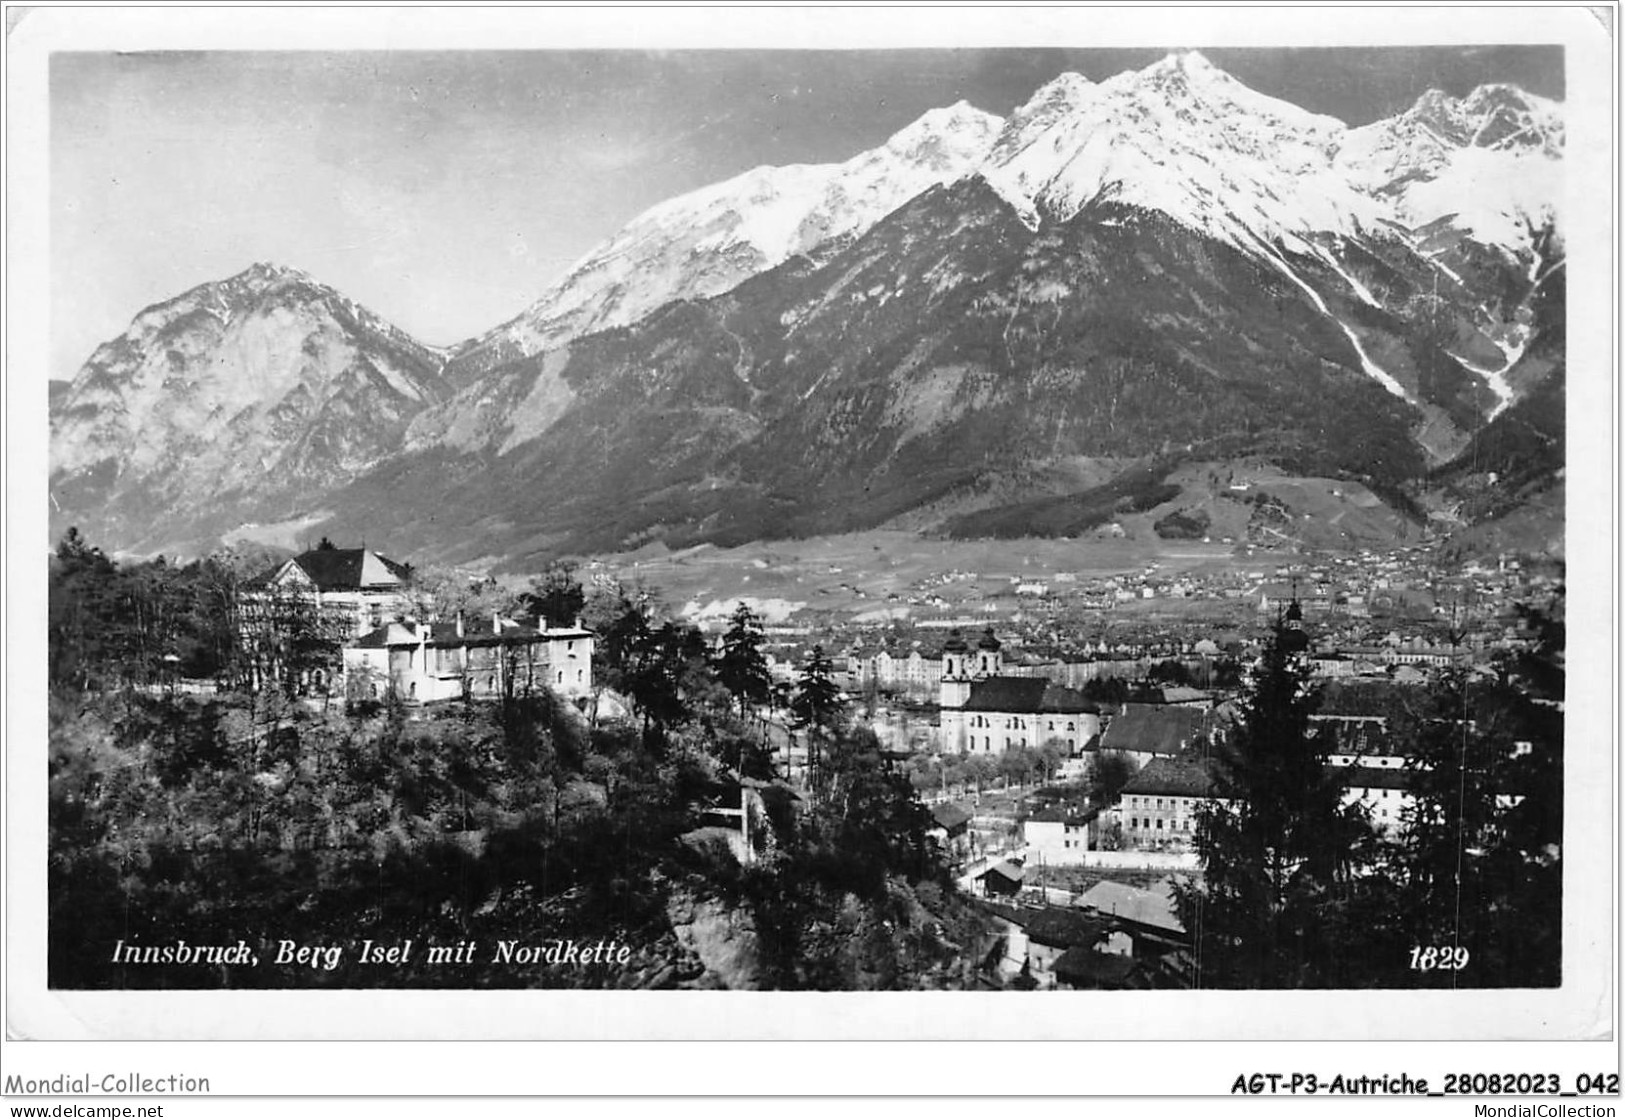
(1080, 523)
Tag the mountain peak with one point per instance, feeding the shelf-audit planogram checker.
(955, 137)
(1069, 88)
(1179, 136)
(960, 114)
(263, 276)
(1179, 73)
(263, 378)
(706, 241)
(270, 270)
(1188, 62)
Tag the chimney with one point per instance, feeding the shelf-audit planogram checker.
(459, 624)
(496, 623)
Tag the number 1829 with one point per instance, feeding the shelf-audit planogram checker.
(1447, 959)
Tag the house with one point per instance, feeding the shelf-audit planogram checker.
(1183, 696)
(1361, 740)
(1090, 969)
(952, 830)
(1157, 807)
(985, 712)
(1052, 932)
(1003, 878)
(1059, 836)
(1145, 922)
(355, 586)
(1148, 731)
(296, 617)
(1385, 793)
(425, 662)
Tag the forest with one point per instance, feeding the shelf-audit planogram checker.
(261, 817)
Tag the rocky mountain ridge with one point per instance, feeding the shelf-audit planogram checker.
(262, 388)
(703, 243)
(974, 312)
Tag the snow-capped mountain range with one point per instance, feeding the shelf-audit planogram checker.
(1180, 136)
(705, 242)
(272, 391)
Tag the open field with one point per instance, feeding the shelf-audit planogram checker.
(857, 572)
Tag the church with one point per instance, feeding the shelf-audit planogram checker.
(984, 712)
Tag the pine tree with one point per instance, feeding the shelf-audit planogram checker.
(1276, 840)
(818, 705)
(741, 666)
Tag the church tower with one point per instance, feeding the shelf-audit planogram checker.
(956, 677)
(1293, 639)
(989, 661)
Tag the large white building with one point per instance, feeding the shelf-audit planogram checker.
(984, 712)
(357, 606)
(354, 587)
(319, 600)
(493, 657)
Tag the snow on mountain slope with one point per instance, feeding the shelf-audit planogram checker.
(1278, 182)
(1182, 137)
(1495, 197)
(1490, 163)
(1187, 139)
(705, 242)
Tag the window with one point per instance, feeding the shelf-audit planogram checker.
(1159, 824)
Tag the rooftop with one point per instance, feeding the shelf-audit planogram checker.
(342, 569)
(1064, 928)
(1171, 776)
(1153, 729)
(1084, 966)
(1153, 908)
(486, 630)
(1025, 694)
(1060, 814)
(1011, 872)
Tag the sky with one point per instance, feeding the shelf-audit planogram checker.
(446, 189)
